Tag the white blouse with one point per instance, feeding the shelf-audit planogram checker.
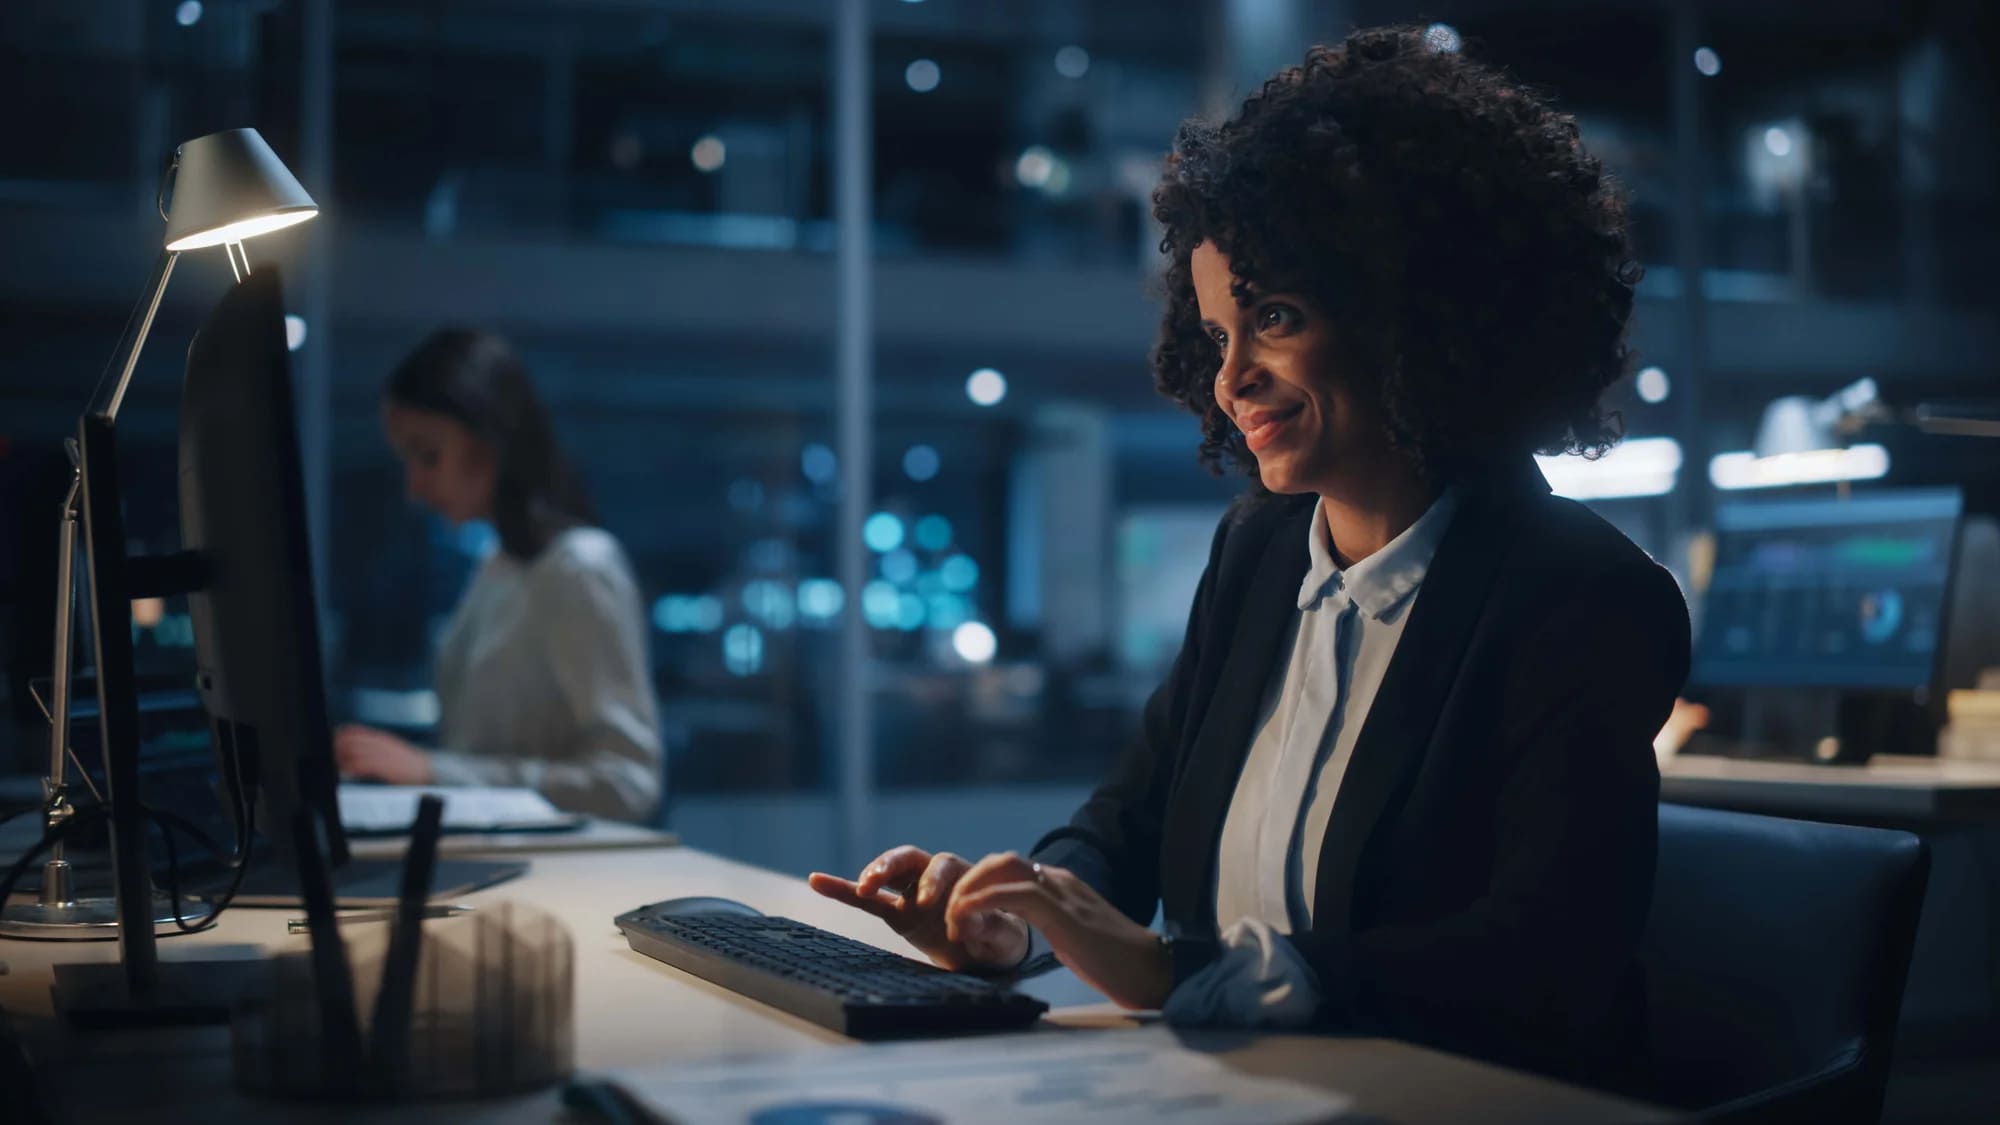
(543, 682)
(1343, 637)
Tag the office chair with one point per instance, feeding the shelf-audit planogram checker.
(1775, 960)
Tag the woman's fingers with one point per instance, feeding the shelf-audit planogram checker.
(1000, 867)
(943, 873)
(996, 870)
(1029, 901)
(356, 756)
(843, 891)
(916, 892)
(833, 886)
(994, 938)
(896, 869)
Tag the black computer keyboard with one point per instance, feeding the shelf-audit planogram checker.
(836, 982)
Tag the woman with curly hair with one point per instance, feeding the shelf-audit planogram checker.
(1399, 780)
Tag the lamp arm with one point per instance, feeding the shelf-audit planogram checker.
(57, 889)
(65, 630)
(1962, 419)
(108, 405)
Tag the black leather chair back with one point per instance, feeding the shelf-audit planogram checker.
(1775, 959)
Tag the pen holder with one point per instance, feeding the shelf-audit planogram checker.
(492, 1013)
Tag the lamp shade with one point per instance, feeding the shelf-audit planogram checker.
(1793, 424)
(230, 186)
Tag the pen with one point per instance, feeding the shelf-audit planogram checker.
(435, 910)
(389, 1036)
(333, 977)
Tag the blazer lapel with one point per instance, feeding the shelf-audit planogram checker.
(1193, 830)
(1397, 732)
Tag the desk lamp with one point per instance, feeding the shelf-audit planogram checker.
(226, 187)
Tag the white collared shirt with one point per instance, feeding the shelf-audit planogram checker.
(542, 681)
(1343, 637)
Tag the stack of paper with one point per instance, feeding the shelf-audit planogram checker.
(369, 810)
(1052, 1077)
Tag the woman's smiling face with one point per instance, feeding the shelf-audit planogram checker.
(1280, 382)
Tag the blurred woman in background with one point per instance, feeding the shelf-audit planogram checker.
(542, 675)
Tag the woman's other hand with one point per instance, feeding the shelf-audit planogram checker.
(908, 888)
(1110, 952)
(367, 754)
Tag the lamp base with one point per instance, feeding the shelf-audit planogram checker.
(90, 919)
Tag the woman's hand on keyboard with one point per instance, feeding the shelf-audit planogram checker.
(1110, 952)
(908, 888)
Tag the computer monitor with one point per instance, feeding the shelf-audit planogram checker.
(246, 566)
(1829, 593)
(243, 512)
(1823, 625)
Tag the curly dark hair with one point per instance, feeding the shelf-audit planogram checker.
(1474, 258)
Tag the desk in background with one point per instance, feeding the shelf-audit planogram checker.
(1889, 789)
(633, 1011)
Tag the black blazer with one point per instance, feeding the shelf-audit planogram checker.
(1489, 863)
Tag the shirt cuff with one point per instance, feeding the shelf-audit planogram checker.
(1258, 979)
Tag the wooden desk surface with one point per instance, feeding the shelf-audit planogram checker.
(634, 1011)
(1889, 788)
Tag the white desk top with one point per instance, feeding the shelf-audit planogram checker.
(634, 1011)
(1889, 787)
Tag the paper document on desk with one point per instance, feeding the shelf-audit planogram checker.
(1053, 1077)
(391, 809)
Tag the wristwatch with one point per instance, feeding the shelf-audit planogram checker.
(1189, 951)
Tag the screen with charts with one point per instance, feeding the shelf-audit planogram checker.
(1829, 593)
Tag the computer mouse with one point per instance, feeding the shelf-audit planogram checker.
(704, 904)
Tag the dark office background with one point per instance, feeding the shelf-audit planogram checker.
(640, 194)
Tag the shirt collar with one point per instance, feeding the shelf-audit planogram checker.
(1381, 582)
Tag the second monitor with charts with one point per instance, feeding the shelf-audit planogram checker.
(1829, 593)
(1824, 624)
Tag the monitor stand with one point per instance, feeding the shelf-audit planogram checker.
(1867, 723)
(99, 995)
(1836, 726)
